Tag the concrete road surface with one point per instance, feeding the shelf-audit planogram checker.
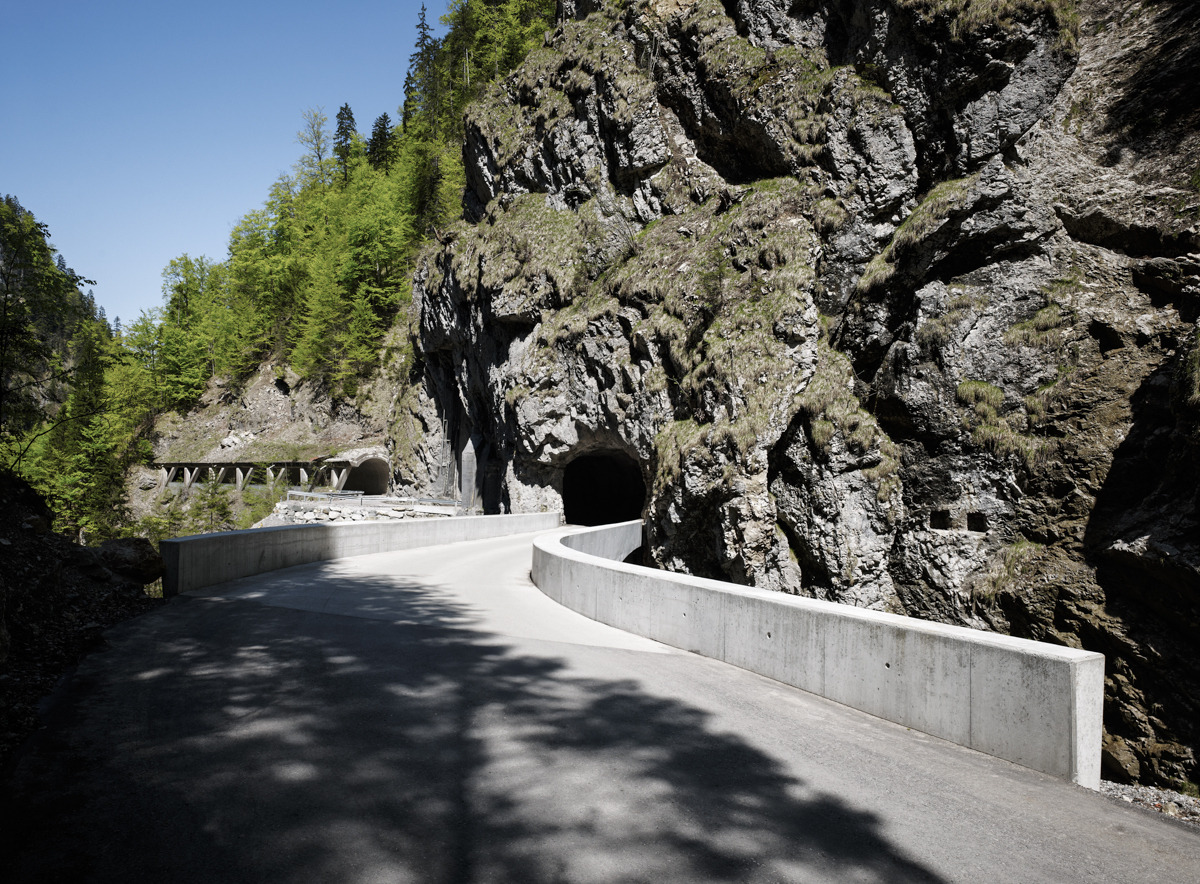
(429, 716)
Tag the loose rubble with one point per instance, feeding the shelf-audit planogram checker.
(291, 512)
(1175, 804)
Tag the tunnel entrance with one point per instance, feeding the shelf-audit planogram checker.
(601, 488)
(370, 477)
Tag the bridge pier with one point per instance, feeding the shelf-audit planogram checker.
(341, 475)
(166, 475)
(337, 478)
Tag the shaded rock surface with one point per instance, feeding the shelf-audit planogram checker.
(893, 303)
(56, 600)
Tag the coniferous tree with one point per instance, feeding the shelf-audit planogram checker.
(421, 84)
(343, 140)
(381, 148)
(82, 471)
(211, 510)
(40, 307)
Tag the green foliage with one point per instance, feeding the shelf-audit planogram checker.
(317, 276)
(40, 309)
(344, 139)
(319, 273)
(210, 509)
(167, 522)
(258, 501)
(79, 464)
(381, 148)
(314, 165)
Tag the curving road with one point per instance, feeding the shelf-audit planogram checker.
(430, 716)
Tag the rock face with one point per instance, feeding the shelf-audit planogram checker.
(891, 302)
(273, 416)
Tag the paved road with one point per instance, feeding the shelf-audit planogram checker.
(429, 716)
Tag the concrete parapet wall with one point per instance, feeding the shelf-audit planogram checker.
(1032, 703)
(193, 562)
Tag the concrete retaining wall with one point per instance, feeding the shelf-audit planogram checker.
(1032, 703)
(193, 562)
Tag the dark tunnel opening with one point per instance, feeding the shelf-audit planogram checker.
(370, 477)
(602, 488)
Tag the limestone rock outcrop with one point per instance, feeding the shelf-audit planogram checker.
(892, 301)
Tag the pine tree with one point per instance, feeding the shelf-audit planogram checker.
(211, 510)
(421, 91)
(360, 348)
(82, 470)
(343, 140)
(381, 148)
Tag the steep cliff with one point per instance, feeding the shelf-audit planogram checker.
(889, 302)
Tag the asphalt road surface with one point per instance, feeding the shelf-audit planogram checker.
(430, 716)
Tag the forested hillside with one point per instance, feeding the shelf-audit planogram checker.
(319, 273)
(312, 282)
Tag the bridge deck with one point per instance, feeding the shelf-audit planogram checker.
(431, 716)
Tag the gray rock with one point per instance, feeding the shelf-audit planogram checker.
(133, 558)
(877, 315)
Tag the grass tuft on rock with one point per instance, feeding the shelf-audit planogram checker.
(967, 18)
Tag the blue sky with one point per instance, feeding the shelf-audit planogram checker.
(142, 130)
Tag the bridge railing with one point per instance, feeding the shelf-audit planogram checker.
(1032, 703)
(339, 496)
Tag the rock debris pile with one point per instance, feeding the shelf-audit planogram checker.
(1173, 804)
(304, 512)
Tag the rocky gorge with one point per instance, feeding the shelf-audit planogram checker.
(887, 302)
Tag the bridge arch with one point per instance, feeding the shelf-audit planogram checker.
(602, 486)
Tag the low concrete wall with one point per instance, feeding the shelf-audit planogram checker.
(193, 562)
(1032, 703)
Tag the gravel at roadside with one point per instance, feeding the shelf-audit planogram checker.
(1176, 804)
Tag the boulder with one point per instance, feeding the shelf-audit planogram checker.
(133, 558)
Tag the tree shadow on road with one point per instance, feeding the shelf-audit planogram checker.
(222, 740)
